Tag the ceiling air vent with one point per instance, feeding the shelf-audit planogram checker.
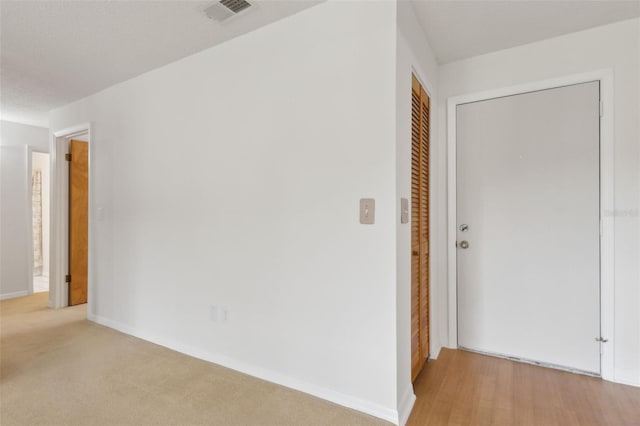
(225, 9)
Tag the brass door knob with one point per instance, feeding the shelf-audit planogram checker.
(464, 244)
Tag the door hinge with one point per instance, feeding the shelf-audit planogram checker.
(67, 278)
(67, 156)
(601, 109)
(601, 339)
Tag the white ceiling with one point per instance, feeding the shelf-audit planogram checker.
(53, 52)
(461, 29)
(56, 52)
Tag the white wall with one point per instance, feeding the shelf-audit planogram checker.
(615, 46)
(40, 160)
(15, 243)
(15, 195)
(232, 178)
(17, 134)
(414, 55)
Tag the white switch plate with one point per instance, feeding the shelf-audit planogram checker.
(367, 211)
(404, 210)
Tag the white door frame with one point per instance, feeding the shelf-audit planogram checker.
(605, 77)
(59, 235)
(28, 203)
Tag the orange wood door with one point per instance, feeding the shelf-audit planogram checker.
(78, 221)
(419, 227)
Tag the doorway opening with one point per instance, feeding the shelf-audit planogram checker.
(70, 280)
(40, 208)
(528, 191)
(603, 152)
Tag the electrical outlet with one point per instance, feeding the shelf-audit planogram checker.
(224, 314)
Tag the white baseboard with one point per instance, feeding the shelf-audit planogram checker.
(406, 405)
(348, 401)
(14, 294)
(627, 377)
(435, 352)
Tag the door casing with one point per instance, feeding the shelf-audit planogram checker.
(605, 77)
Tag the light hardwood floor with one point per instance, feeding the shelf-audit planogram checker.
(464, 388)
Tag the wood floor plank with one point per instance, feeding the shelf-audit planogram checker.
(465, 388)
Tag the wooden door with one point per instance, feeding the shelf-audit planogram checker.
(78, 221)
(419, 227)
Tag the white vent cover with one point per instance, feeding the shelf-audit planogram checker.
(225, 9)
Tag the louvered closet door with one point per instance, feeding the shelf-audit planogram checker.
(419, 227)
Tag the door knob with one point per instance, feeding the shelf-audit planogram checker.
(464, 244)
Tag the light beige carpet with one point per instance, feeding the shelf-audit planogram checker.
(57, 368)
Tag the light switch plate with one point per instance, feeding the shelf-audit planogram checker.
(367, 211)
(404, 210)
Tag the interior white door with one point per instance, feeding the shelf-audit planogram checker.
(528, 192)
